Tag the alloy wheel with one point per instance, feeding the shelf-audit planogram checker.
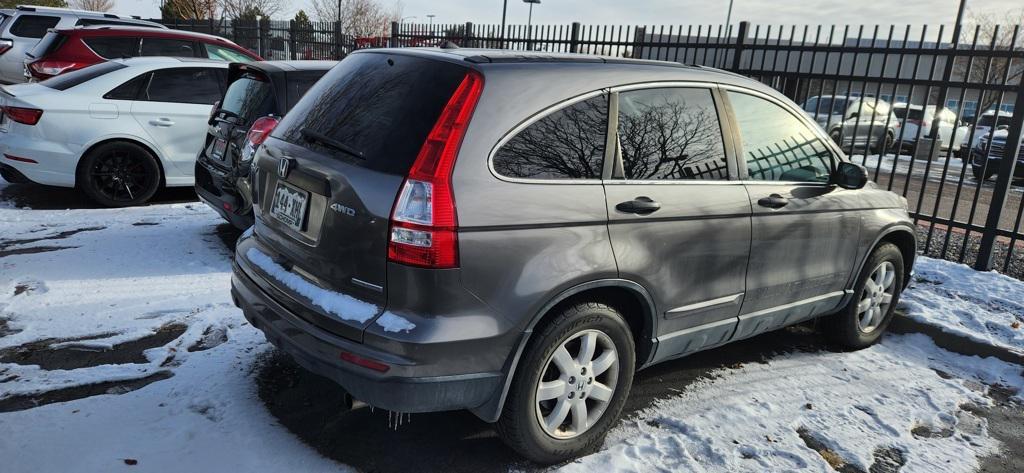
(876, 297)
(577, 384)
(120, 176)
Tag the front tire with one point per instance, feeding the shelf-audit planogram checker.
(861, 323)
(571, 385)
(119, 174)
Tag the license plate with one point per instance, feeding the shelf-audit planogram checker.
(218, 149)
(289, 206)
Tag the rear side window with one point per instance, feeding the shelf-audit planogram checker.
(300, 82)
(670, 134)
(776, 145)
(249, 97)
(382, 105)
(33, 26)
(109, 47)
(224, 54)
(73, 78)
(184, 85)
(168, 47)
(129, 90)
(566, 144)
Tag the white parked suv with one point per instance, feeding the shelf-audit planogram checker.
(118, 130)
(918, 122)
(22, 27)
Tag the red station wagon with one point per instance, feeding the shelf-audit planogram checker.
(67, 50)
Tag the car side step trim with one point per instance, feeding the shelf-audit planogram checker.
(704, 305)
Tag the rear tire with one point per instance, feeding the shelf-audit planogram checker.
(119, 174)
(861, 323)
(982, 177)
(533, 427)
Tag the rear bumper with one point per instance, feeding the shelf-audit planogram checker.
(213, 189)
(992, 163)
(55, 163)
(408, 386)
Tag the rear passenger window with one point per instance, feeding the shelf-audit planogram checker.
(776, 145)
(671, 134)
(225, 54)
(566, 144)
(168, 47)
(33, 26)
(186, 85)
(113, 47)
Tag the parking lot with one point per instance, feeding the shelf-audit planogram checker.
(136, 355)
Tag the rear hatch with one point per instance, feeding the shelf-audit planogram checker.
(349, 144)
(250, 95)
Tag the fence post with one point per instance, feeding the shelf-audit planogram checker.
(741, 40)
(291, 39)
(1003, 179)
(574, 40)
(467, 40)
(393, 40)
(337, 40)
(639, 36)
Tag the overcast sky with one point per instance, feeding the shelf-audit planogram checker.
(787, 12)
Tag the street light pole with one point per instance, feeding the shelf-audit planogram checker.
(504, 12)
(728, 19)
(431, 16)
(529, 24)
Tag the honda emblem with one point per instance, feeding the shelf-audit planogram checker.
(284, 166)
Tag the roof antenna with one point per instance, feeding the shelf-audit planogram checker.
(449, 45)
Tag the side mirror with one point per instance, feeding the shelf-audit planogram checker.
(1002, 127)
(850, 175)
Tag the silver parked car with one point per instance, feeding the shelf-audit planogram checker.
(517, 233)
(864, 123)
(22, 27)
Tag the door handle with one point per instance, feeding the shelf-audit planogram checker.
(161, 122)
(774, 201)
(641, 205)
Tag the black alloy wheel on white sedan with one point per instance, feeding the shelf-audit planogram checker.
(119, 174)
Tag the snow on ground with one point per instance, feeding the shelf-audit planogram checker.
(92, 279)
(983, 306)
(122, 275)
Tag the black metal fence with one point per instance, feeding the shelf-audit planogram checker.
(916, 105)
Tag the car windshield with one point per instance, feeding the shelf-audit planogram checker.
(85, 74)
(991, 121)
(249, 97)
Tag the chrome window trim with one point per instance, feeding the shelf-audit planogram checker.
(704, 305)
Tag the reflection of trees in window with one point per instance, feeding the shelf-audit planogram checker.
(567, 144)
(671, 134)
(795, 158)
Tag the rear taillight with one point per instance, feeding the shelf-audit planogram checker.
(258, 133)
(45, 69)
(423, 222)
(28, 116)
(213, 112)
(6, 45)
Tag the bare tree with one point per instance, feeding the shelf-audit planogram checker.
(991, 30)
(243, 8)
(359, 18)
(92, 5)
(190, 9)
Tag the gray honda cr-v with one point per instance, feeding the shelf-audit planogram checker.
(517, 233)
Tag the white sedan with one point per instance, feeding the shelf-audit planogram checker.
(118, 130)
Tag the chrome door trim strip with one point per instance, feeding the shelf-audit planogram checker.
(698, 306)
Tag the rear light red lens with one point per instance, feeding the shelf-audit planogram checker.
(364, 362)
(6, 45)
(28, 116)
(423, 221)
(46, 69)
(261, 129)
(19, 158)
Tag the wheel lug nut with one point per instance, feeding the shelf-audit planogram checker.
(590, 381)
(571, 394)
(583, 371)
(572, 380)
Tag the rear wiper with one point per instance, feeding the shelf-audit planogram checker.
(317, 137)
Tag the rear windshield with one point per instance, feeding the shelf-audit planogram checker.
(990, 121)
(249, 97)
(50, 43)
(85, 74)
(913, 114)
(382, 105)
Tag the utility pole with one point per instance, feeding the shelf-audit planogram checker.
(529, 23)
(504, 12)
(431, 17)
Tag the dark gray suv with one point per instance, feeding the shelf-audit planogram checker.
(516, 233)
